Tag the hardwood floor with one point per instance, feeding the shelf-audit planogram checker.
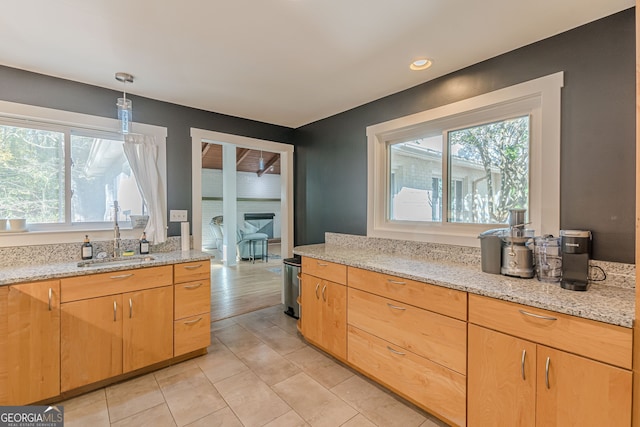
(247, 286)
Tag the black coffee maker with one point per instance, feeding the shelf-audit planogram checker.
(576, 249)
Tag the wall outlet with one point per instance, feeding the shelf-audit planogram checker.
(178, 215)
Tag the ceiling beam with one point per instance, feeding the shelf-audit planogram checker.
(268, 164)
(205, 148)
(242, 154)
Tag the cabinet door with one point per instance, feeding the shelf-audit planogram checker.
(574, 391)
(334, 318)
(34, 340)
(310, 288)
(4, 331)
(91, 340)
(501, 379)
(147, 330)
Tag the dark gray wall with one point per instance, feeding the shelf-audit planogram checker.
(44, 91)
(597, 145)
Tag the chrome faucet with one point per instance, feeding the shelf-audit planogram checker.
(116, 231)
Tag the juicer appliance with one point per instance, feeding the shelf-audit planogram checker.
(517, 256)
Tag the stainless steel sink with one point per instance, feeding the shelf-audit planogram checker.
(119, 260)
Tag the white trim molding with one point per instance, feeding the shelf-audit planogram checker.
(541, 98)
(286, 171)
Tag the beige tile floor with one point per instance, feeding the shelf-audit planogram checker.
(258, 372)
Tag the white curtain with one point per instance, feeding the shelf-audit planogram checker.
(142, 154)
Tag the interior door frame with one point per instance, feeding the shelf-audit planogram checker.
(198, 136)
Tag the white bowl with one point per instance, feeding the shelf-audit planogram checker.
(19, 224)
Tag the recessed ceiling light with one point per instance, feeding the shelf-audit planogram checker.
(420, 64)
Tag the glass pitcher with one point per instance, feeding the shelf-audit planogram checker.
(548, 258)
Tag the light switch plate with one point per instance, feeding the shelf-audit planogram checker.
(178, 215)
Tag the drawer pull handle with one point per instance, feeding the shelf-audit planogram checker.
(546, 372)
(192, 267)
(115, 311)
(324, 297)
(395, 307)
(317, 286)
(121, 276)
(196, 286)
(537, 316)
(399, 353)
(50, 296)
(130, 308)
(396, 282)
(524, 357)
(322, 264)
(192, 322)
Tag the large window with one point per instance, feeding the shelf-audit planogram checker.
(487, 167)
(450, 173)
(60, 175)
(62, 171)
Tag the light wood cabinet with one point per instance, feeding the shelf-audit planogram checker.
(91, 342)
(325, 314)
(428, 384)
(411, 337)
(513, 380)
(4, 331)
(192, 309)
(147, 328)
(438, 338)
(118, 323)
(34, 341)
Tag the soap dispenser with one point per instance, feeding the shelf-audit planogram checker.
(144, 244)
(87, 248)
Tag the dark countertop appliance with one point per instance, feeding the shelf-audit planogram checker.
(576, 249)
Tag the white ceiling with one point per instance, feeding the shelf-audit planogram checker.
(287, 62)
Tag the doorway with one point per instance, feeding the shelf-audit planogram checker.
(253, 283)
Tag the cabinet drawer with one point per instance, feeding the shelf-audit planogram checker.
(117, 282)
(434, 298)
(434, 387)
(192, 271)
(439, 338)
(331, 271)
(596, 340)
(190, 334)
(192, 298)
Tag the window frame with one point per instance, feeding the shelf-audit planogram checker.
(67, 122)
(540, 98)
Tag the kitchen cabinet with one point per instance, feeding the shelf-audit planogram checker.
(324, 298)
(114, 323)
(192, 311)
(4, 378)
(513, 379)
(420, 354)
(33, 337)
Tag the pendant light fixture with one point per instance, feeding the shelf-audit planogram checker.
(124, 104)
(261, 162)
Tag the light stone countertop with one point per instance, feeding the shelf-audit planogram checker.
(609, 304)
(31, 273)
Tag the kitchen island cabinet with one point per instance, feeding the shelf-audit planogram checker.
(514, 380)
(33, 341)
(324, 298)
(479, 349)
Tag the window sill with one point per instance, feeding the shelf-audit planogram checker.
(76, 235)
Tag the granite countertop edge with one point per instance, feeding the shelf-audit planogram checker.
(32, 273)
(608, 304)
